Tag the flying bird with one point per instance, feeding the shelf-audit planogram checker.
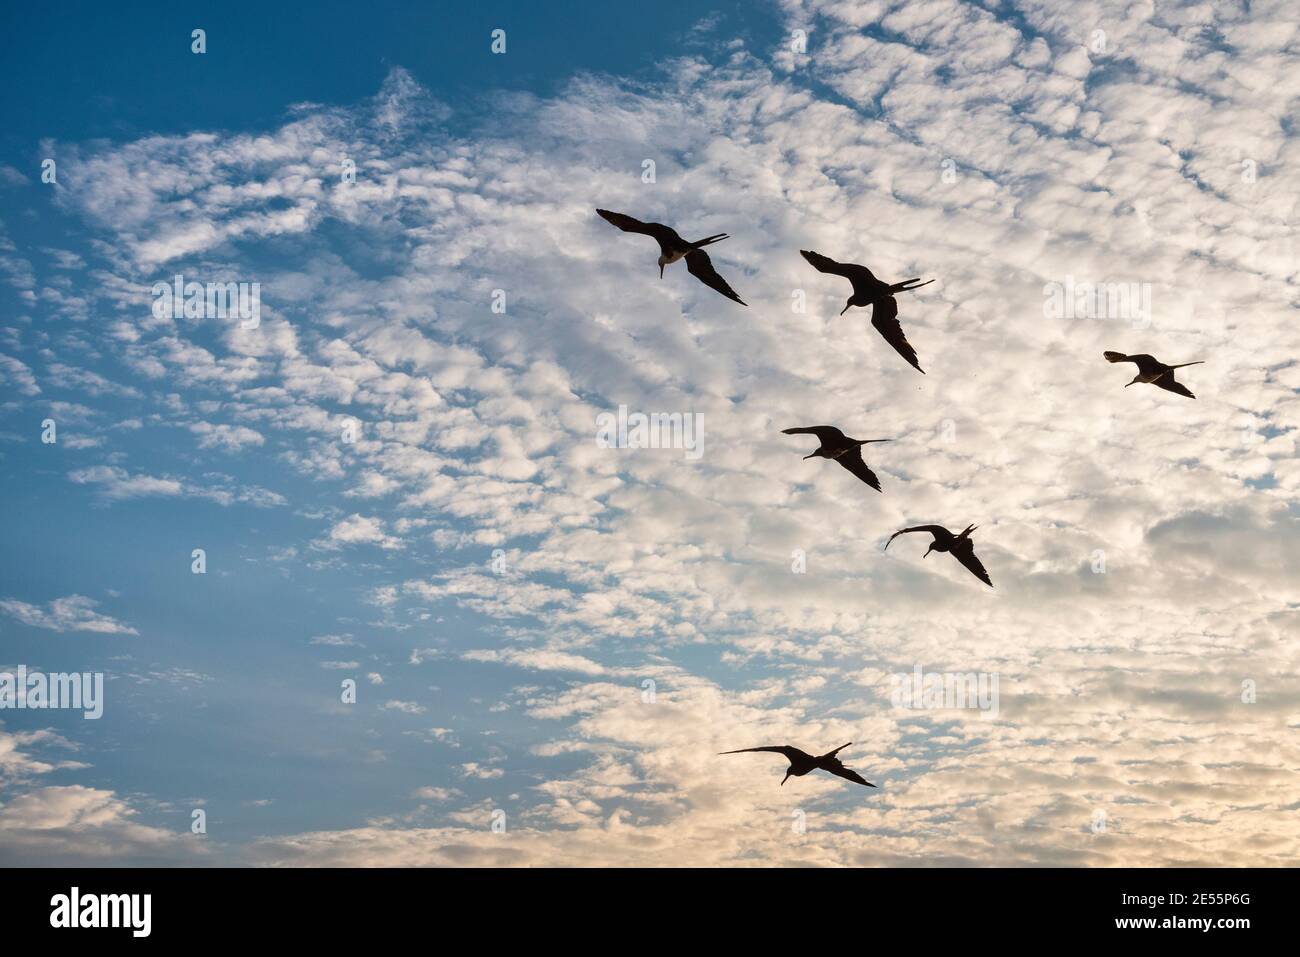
(870, 291)
(961, 547)
(672, 248)
(1155, 372)
(801, 763)
(838, 446)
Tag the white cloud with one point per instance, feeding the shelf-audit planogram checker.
(473, 769)
(11, 176)
(116, 483)
(405, 707)
(441, 795)
(335, 641)
(540, 659)
(18, 376)
(71, 613)
(359, 530)
(228, 438)
(75, 825)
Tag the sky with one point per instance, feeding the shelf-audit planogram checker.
(394, 475)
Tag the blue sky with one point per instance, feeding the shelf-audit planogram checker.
(110, 73)
(1074, 159)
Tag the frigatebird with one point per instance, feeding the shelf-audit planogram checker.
(838, 446)
(870, 291)
(1154, 371)
(961, 547)
(672, 248)
(801, 762)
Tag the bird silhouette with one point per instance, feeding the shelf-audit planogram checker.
(672, 248)
(838, 446)
(870, 291)
(1154, 371)
(960, 546)
(801, 762)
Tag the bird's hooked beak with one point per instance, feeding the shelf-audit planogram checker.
(846, 307)
(809, 455)
(928, 551)
(661, 270)
(1134, 382)
(786, 778)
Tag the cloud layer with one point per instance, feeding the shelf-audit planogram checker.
(1142, 545)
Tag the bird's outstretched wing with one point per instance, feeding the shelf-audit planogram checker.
(849, 774)
(852, 460)
(858, 275)
(964, 552)
(701, 267)
(789, 752)
(935, 530)
(1168, 383)
(666, 235)
(884, 316)
(1146, 363)
(827, 434)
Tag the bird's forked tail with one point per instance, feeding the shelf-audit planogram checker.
(907, 285)
(709, 240)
